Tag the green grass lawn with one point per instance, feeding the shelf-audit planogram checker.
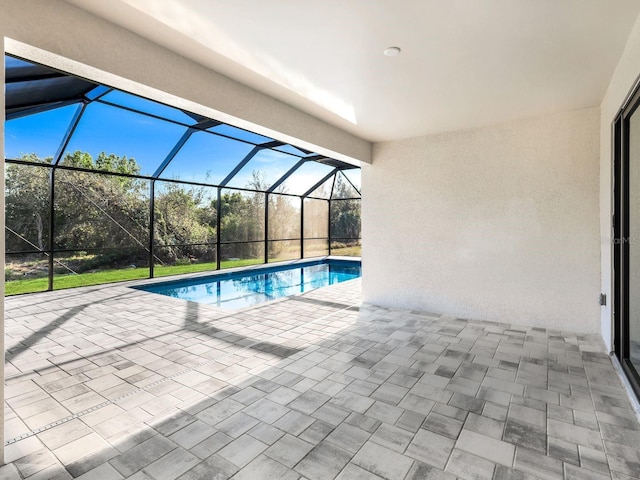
(353, 251)
(60, 282)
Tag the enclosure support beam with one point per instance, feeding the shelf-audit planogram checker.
(284, 177)
(45, 107)
(333, 186)
(324, 179)
(266, 227)
(329, 224)
(174, 151)
(354, 187)
(52, 177)
(152, 207)
(218, 224)
(246, 159)
(180, 143)
(302, 228)
(67, 136)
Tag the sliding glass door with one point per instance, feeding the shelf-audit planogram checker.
(627, 240)
(634, 233)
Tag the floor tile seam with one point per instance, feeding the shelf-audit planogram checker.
(326, 439)
(449, 455)
(154, 384)
(602, 439)
(264, 452)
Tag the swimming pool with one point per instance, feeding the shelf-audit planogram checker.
(239, 289)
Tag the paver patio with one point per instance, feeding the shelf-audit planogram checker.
(111, 382)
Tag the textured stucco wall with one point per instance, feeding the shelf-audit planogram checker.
(497, 223)
(622, 82)
(100, 50)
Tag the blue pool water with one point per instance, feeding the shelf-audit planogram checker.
(246, 288)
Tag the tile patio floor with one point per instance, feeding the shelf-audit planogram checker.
(110, 383)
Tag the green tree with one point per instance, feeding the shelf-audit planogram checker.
(242, 220)
(103, 208)
(26, 205)
(183, 217)
(284, 224)
(91, 210)
(98, 210)
(345, 211)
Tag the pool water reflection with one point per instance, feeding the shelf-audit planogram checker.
(247, 288)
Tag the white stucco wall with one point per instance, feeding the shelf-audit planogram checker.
(72, 39)
(622, 82)
(497, 223)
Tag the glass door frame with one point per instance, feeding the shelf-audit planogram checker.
(622, 240)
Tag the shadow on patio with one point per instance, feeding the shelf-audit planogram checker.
(311, 388)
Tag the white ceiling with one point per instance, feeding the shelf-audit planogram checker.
(464, 63)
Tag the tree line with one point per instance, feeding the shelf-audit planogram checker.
(109, 215)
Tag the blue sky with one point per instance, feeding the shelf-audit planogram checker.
(204, 158)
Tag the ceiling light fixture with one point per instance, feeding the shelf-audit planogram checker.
(392, 51)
